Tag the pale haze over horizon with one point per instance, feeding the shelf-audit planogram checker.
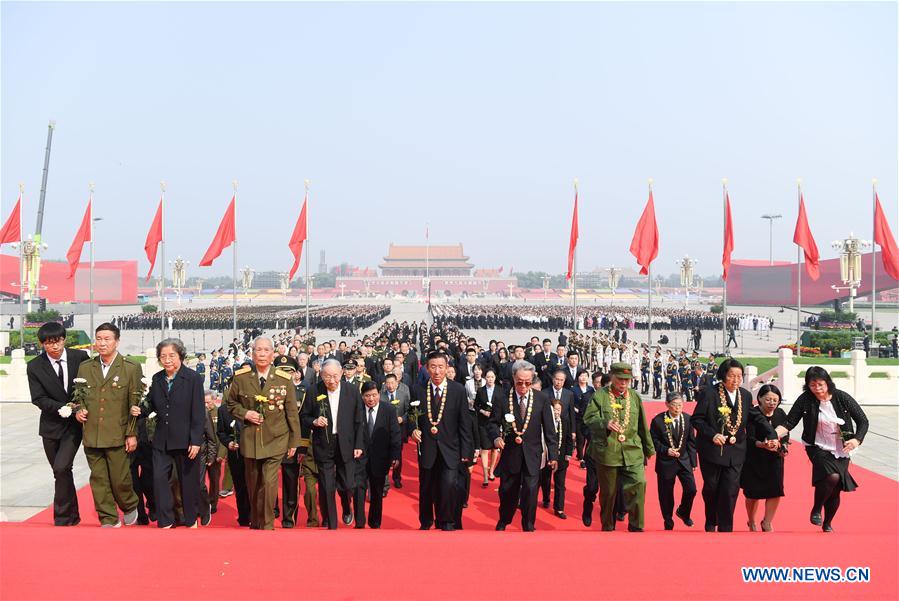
(474, 118)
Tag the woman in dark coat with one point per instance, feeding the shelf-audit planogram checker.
(763, 473)
(833, 425)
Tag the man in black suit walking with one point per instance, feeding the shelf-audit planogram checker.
(445, 438)
(335, 416)
(675, 445)
(229, 431)
(382, 451)
(567, 424)
(520, 426)
(50, 381)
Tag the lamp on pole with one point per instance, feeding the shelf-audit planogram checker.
(614, 277)
(179, 276)
(545, 279)
(771, 218)
(686, 276)
(850, 251)
(246, 279)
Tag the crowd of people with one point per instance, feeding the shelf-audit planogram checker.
(590, 317)
(345, 318)
(339, 417)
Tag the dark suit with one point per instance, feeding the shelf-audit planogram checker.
(721, 466)
(519, 464)
(401, 400)
(228, 433)
(61, 436)
(464, 371)
(571, 381)
(566, 449)
(382, 447)
(441, 453)
(670, 468)
(334, 452)
(544, 364)
(180, 421)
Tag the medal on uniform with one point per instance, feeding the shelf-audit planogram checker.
(622, 438)
(518, 440)
(732, 440)
(433, 429)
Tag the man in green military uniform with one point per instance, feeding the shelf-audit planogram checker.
(621, 445)
(264, 398)
(112, 385)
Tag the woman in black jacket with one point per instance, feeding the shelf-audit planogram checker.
(833, 425)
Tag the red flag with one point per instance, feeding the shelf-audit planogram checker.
(224, 237)
(501, 268)
(572, 243)
(884, 237)
(645, 244)
(81, 236)
(803, 237)
(728, 236)
(296, 240)
(12, 229)
(154, 237)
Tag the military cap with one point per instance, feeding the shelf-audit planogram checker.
(622, 370)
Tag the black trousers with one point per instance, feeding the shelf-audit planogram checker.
(557, 479)
(190, 474)
(666, 492)
(238, 477)
(373, 482)
(591, 487)
(464, 483)
(142, 481)
(720, 487)
(214, 479)
(61, 454)
(437, 494)
(518, 490)
(290, 492)
(398, 470)
(656, 387)
(644, 382)
(335, 476)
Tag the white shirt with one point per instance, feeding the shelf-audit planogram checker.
(334, 402)
(104, 367)
(827, 433)
(374, 412)
(64, 359)
(557, 393)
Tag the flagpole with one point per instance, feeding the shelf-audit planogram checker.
(162, 243)
(725, 342)
(308, 250)
(234, 269)
(428, 264)
(799, 277)
(90, 204)
(22, 269)
(649, 288)
(574, 270)
(873, 259)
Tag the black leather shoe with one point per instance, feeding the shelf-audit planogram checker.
(815, 518)
(449, 528)
(561, 515)
(277, 512)
(583, 465)
(634, 528)
(528, 529)
(685, 518)
(384, 494)
(587, 515)
(213, 509)
(620, 517)
(397, 484)
(545, 504)
(500, 526)
(464, 505)
(424, 527)
(669, 524)
(348, 518)
(827, 527)
(287, 525)
(710, 527)
(358, 527)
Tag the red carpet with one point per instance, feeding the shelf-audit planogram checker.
(562, 560)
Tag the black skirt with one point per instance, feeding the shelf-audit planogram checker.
(824, 464)
(486, 443)
(763, 473)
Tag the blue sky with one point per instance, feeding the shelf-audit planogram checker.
(474, 117)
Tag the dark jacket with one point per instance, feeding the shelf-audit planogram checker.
(454, 438)
(349, 423)
(180, 412)
(49, 396)
(707, 423)
(806, 409)
(665, 464)
(526, 456)
(384, 444)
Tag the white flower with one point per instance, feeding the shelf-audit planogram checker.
(146, 381)
(80, 381)
(415, 403)
(233, 421)
(115, 379)
(65, 411)
(510, 418)
(152, 415)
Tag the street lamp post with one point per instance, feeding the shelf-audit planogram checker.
(770, 217)
(179, 276)
(614, 276)
(545, 279)
(246, 280)
(850, 251)
(686, 276)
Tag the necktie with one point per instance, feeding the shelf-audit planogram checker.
(261, 382)
(677, 429)
(390, 397)
(558, 395)
(435, 401)
(371, 420)
(523, 407)
(62, 379)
